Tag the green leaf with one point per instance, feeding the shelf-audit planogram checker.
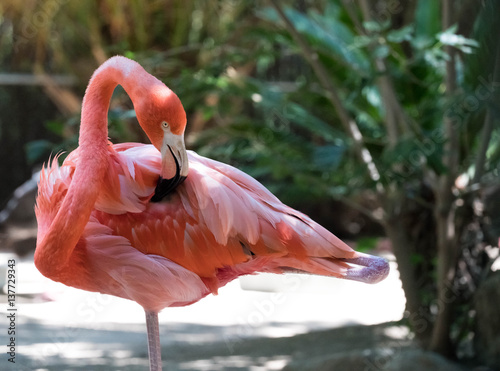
(286, 112)
(381, 51)
(366, 243)
(326, 33)
(363, 41)
(427, 18)
(303, 118)
(400, 35)
(130, 54)
(422, 42)
(376, 27)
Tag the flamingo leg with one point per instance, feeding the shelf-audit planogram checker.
(154, 348)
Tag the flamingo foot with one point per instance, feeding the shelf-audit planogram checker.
(154, 348)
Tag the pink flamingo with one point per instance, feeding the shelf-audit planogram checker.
(119, 220)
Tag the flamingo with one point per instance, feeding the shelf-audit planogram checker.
(161, 225)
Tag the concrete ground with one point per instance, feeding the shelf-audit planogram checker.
(261, 322)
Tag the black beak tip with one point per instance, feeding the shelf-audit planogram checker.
(166, 186)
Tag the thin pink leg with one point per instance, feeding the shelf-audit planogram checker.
(154, 348)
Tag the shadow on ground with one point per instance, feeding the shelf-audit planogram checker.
(123, 347)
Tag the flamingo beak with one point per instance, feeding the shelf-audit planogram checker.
(174, 166)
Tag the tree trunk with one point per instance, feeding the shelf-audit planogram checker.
(445, 212)
(446, 262)
(404, 227)
(417, 313)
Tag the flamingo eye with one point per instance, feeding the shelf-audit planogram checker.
(164, 125)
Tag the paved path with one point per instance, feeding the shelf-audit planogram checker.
(61, 328)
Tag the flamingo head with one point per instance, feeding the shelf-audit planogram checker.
(162, 117)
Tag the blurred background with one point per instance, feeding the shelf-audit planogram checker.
(379, 119)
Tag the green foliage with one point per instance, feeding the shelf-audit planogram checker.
(297, 114)
(290, 136)
(260, 105)
(366, 244)
(326, 33)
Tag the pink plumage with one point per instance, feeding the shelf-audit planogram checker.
(99, 230)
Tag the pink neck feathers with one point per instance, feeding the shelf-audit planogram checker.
(61, 238)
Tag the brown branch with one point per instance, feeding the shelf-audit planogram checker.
(445, 211)
(375, 215)
(351, 12)
(66, 101)
(396, 119)
(36, 79)
(487, 129)
(349, 124)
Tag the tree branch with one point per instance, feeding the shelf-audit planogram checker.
(396, 119)
(375, 215)
(445, 210)
(487, 129)
(352, 14)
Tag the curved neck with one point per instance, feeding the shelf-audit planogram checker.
(54, 251)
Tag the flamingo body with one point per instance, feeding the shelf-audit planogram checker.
(219, 224)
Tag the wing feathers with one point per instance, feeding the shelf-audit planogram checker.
(220, 223)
